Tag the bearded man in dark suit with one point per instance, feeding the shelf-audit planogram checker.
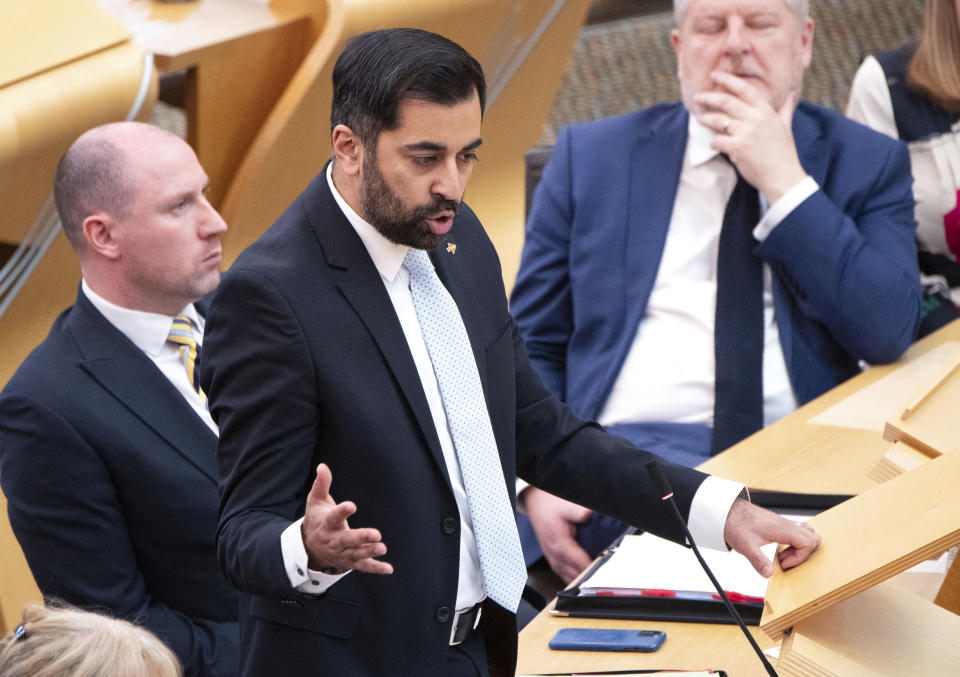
(362, 348)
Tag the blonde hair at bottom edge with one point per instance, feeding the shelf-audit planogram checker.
(62, 641)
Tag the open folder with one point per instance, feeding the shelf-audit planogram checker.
(642, 576)
(645, 576)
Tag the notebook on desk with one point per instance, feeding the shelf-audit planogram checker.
(642, 576)
(646, 577)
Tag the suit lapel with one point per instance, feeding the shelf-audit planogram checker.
(361, 285)
(806, 133)
(655, 166)
(133, 379)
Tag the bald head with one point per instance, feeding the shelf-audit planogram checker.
(98, 174)
(132, 199)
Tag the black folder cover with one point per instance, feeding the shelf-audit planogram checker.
(647, 607)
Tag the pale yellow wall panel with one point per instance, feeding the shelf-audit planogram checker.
(71, 29)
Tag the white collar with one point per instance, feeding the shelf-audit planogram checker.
(387, 256)
(148, 331)
(699, 151)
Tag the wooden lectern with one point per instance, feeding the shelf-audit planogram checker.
(836, 618)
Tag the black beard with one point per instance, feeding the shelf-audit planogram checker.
(384, 210)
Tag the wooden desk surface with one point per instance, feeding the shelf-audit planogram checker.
(796, 455)
(689, 646)
(790, 455)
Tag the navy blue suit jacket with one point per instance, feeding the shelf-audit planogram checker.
(845, 278)
(308, 363)
(110, 479)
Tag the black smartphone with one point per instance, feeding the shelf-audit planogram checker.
(599, 639)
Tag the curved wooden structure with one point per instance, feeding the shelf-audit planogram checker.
(523, 47)
(238, 57)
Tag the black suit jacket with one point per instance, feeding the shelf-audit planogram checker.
(110, 479)
(308, 363)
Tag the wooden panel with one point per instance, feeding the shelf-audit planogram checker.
(949, 595)
(926, 423)
(231, 93)
(898, 459)
(41, 116)
(689, 646)
(17, 588)
(179, 33)
(239, 54)
(42, 34)
(867, 540)
(512, 124)
(883, 632)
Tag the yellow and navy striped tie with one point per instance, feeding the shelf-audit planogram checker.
(182, 333)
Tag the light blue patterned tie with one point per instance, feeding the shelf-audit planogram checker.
(498, 543)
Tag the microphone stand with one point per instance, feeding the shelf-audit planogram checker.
(660, 480)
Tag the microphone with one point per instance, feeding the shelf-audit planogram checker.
(660, 481)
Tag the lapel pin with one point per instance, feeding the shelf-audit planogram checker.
(451, 248)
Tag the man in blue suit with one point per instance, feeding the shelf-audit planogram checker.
(619, 294)
(107, 451)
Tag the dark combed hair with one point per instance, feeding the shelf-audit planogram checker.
(377, 70)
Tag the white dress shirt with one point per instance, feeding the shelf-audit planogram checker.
(669, 371)
(149, 332)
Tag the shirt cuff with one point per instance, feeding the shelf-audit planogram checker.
(521, 505)
(301, 578)
(709, 509)
(780, 209)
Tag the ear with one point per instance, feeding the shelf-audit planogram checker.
(100, 233)
(806, 42)
(347, 149)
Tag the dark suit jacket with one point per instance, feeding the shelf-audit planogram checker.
(308, 363)
(110, 479)
(845, 279)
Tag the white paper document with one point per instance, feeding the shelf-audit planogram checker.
(644, 562)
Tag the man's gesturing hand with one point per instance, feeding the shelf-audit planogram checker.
(749, 527)
(329, 540)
